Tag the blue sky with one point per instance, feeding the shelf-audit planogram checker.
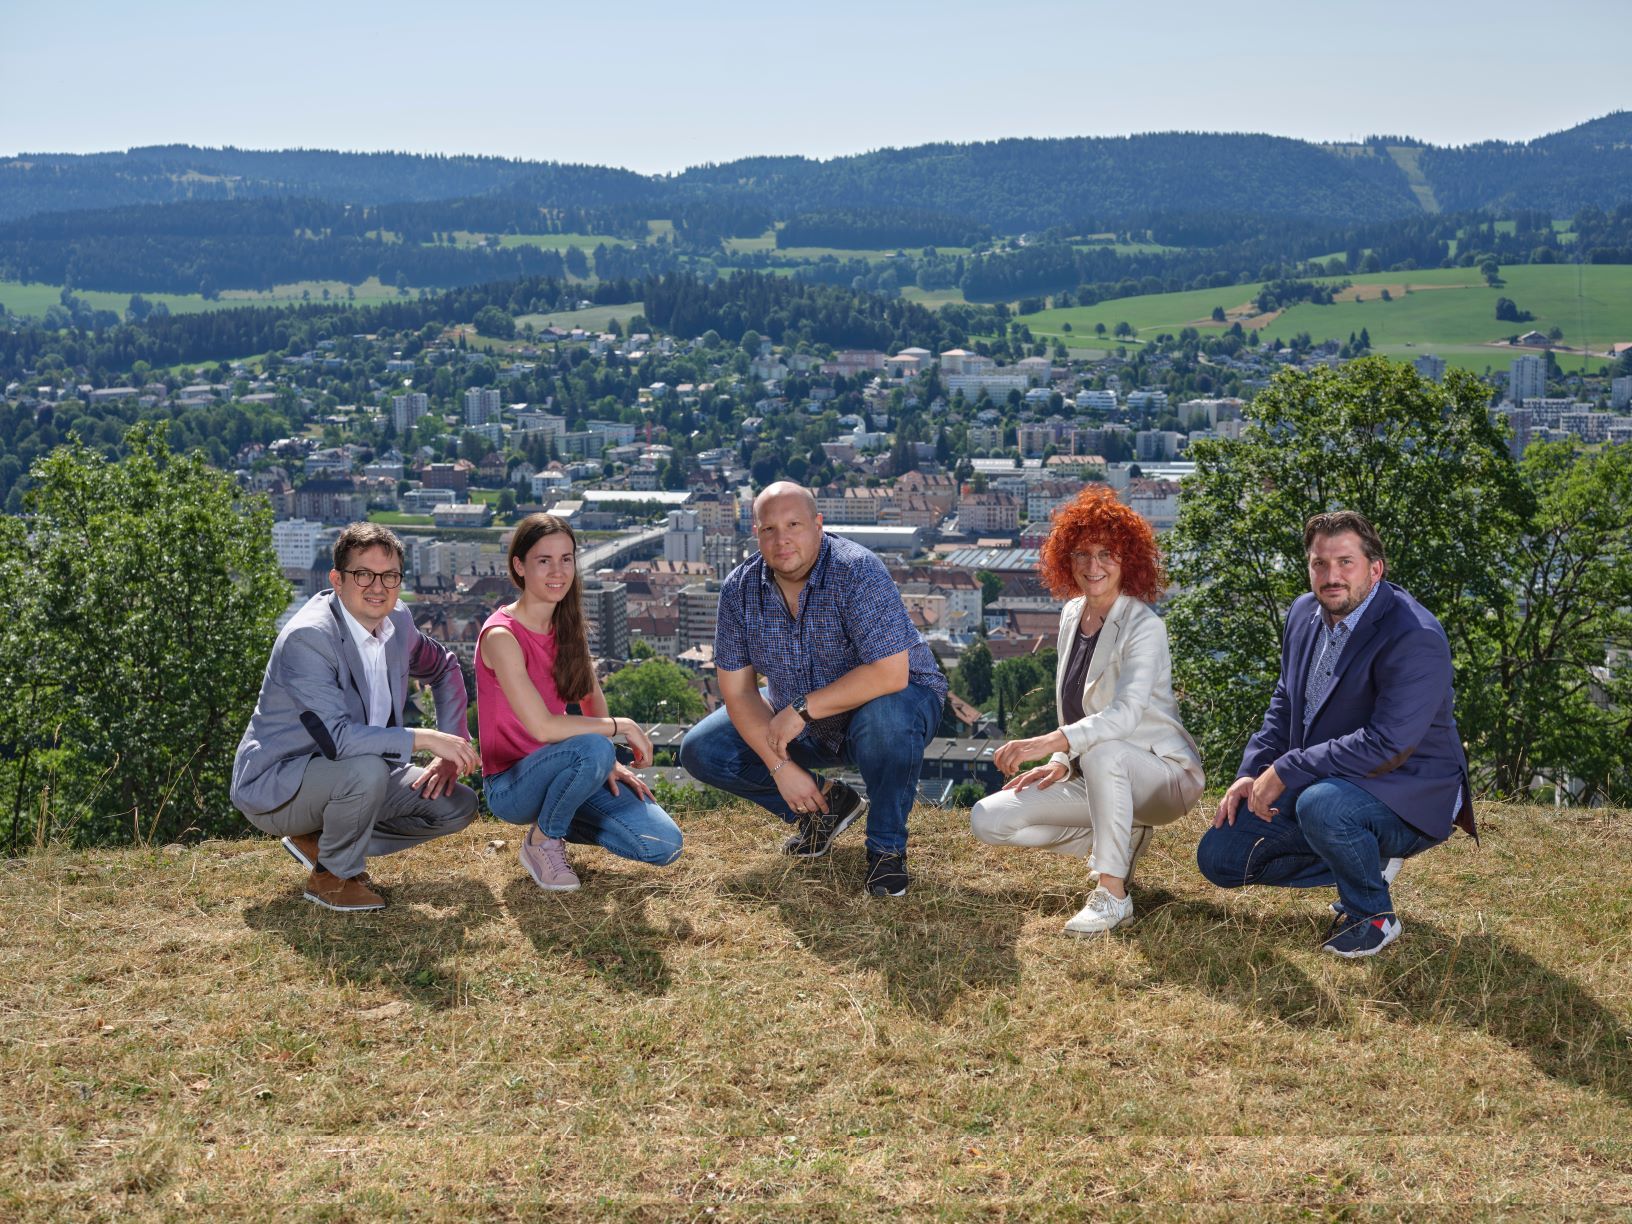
(660, 86)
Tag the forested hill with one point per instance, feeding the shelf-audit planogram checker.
(1590, 164)
(1005, 185)
(55, 182)
(1018, 185)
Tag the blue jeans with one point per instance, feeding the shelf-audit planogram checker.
(884, 742)
(562, 789)
(1337, 834)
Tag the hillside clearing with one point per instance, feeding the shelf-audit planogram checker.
(748, 1034)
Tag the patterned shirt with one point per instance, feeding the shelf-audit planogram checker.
(850, 614)
(1328, 651)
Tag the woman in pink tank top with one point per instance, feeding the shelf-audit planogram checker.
(556, 772)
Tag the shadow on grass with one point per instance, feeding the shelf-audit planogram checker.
(411, 947)
(604, 930)
(1433, 976)
(931, 946)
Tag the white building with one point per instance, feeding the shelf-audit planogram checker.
(481, 405)
(296, 542)
(407, 409)
(1620, 392)
(1527, 379)
(683, 541)
(1430, 366)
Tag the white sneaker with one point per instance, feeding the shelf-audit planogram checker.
(1102, 913)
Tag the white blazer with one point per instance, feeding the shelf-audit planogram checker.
(1128, 694)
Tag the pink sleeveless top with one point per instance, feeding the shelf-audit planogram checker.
(504, 741)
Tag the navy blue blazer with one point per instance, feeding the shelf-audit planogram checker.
(1385, 723)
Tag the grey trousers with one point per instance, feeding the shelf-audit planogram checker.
(365, 808)
(1120, 787)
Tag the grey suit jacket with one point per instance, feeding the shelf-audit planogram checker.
(1128, 693)
(313, 692)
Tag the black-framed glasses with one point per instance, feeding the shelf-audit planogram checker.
(366, 578)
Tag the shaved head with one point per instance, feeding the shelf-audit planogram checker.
(779, 490)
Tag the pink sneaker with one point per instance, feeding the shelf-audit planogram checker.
(545, 859)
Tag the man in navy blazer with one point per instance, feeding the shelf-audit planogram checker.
(326, 761)
(1358, 765)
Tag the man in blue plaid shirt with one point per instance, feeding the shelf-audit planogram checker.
(848, 681)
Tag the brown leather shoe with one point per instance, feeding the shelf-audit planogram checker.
(303, 848)
(347, 896)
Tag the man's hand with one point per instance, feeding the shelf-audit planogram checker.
(784, 729)
(1228, 806)
(1043, 777)
(798, 789)
(459, 752)
(622, 773)
(436, 779)
(1267, 788)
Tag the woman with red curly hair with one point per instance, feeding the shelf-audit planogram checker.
(1120, 762)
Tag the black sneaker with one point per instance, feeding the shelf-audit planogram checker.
(818, 829)
(887, 874)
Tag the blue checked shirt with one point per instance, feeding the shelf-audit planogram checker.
(1332, 639)
(850, 614)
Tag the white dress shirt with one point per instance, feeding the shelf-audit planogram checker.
(371, 646)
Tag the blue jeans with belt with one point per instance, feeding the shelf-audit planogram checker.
(884, 741)
(1336, 833)
(562, 788)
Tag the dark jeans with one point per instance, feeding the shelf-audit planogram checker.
(1336, 834)
(884, 742)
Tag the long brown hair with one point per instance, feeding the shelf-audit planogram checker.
(574, 672)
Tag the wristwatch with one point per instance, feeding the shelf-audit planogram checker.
(797, 705)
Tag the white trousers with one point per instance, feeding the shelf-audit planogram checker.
(1094, 814)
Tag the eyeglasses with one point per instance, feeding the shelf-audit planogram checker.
(1102, 555)
(366, 578)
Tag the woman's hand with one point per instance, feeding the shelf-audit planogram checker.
(639, 743)
(1016, 753)
(1043, 777)
(622, 773)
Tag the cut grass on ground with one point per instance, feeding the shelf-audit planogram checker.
(745, 1035)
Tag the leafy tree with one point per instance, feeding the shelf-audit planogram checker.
(973, 678)
(493, 322)
(654, 690)
(1549, 698)
(1421, 460)
(162, 590)
(991, 586)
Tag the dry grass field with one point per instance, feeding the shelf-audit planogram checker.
(747, 1037)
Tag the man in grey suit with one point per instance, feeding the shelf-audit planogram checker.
(326, 762)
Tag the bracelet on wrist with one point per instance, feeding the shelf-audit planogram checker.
(779, 765)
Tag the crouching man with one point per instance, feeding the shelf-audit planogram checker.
(326, 762)
(1358, 765)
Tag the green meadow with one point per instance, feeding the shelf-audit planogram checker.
(590, 318)
(1450, 312)
(33, 300)
(933, 298)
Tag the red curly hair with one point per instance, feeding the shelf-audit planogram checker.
(1095, 516)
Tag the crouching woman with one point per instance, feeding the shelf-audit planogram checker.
(1120, 762)
(557, 773)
